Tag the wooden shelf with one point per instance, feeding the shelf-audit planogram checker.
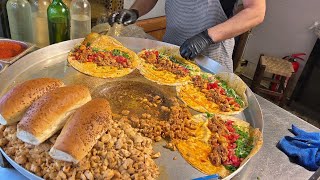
(156, 27)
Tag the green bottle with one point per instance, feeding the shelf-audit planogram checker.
(58, 22)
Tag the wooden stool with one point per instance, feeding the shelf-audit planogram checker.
(274, 66)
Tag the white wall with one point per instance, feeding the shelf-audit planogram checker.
(284, 31)
(157, 11)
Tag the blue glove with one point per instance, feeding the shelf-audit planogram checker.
(303, 148)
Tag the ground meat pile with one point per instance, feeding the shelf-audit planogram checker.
(215, 93)
(85, 54)
(218, 152)
(121, 153)
(162, 62)
(179, 126)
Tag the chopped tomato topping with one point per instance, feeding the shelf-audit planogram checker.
(229, 123)
(114, 58)
(222, 91)
(212, 85)
(229, 98)
(148, 53)
(120, 59)
(232, 137)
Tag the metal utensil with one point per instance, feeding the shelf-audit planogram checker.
(316, 175)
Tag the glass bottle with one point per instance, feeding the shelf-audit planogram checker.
(58, 22)
(20, 23)
(40, 21)
(67, 3)
(4, 23)
(80, 11)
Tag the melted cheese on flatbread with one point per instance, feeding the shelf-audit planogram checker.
(196, 153)
(197, 100)
(164, 77)
(196, 150)
(105, 43)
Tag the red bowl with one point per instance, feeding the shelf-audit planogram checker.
(12, 50)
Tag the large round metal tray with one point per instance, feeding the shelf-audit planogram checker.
(51, 62)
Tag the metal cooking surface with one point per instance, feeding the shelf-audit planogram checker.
(129, 93)
(51, 62)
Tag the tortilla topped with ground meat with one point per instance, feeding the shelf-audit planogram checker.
(223, 93)
(222, 145)
(102, 56)
(165, 66)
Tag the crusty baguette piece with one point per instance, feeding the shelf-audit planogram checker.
(82, 131)
(49, 113)
(17, 100)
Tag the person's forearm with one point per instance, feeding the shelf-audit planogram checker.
(143, 6)
(252, 15)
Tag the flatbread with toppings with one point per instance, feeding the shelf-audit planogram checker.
(223, 93)
(222, 145)
(166, 67)
(102, 56)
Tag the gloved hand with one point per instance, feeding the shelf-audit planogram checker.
(125, 16)
(195, 45)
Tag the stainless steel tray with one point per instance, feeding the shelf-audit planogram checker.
(51, 62)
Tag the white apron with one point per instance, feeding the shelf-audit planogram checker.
(186, 18)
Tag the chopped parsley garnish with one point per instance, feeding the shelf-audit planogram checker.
(117, 52)
(244, 143)
(95, 49)
(231, 92)
(230, 168)
(209, 115)
(204, 76)
(174, 60)
(189, 67)
(239, 101)
(161, 55)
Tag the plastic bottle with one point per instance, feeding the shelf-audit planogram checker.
(80, 11)
(19, 15)
(40, 21)
(58, 22)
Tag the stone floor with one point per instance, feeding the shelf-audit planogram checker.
(310, 120)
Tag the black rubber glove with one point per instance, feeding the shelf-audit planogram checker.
(195, 45)
(125, 16)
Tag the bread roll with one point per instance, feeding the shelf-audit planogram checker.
(82, 131)
(16, 101)
(49, 113)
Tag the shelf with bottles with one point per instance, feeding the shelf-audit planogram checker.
(80, 12)
(20, 11)
(40, 21)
